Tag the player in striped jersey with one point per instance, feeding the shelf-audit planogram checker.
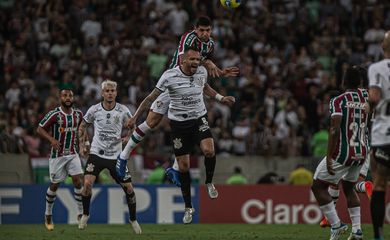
(347, 149)
(199, 39)
(63, 122)
(379, 82)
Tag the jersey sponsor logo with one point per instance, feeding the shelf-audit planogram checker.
(105, 136)
(177, 144)
(67, 129)
(358, 105)
(90, 167)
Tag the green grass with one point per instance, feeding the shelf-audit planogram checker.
(172, 232)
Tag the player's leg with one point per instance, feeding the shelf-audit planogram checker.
(207, 147)
(75, 170)
(92, 169)
(184, 168)
(128, 188)
(334, 192)
(321, 183)
(157, 111)
(58, 173)
(353, 203)
(364, 186)
(380, 168)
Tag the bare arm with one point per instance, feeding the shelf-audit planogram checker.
(334, 135)
(145, 105)
(53, 142)
(83, 138)
(210, 92)
(374, 96)
(215, 71)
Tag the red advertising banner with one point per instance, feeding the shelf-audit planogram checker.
(272, 204)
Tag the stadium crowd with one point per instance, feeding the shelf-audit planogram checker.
(291, 55)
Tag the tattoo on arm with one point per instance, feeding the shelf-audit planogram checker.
(147, 102)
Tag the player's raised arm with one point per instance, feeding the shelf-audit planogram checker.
(145, 105)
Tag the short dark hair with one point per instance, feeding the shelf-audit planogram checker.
(203, 21)
(352, 78)
(191, 48)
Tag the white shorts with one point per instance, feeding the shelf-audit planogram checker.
(60, 167)
(346, 173)
(161, 104)
(365, 166)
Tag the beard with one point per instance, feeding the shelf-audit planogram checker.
(67, 104)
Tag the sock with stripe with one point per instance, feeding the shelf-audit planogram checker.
(79, 200)
(50, 198)
(138, 135)
(360, 187)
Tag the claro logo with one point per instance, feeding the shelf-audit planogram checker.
(269, 213)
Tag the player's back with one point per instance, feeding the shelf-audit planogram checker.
(352, 146)
(379, 76)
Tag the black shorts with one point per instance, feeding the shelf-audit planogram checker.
(96, 164)
(382, 155)
(186, 134)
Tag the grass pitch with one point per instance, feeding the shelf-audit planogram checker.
(172, 232)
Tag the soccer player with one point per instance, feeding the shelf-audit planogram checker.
(362, 186)
(188, 117)
(200, 39)
(108, 118)
(64, 160)
(347, 149)
(379, 89)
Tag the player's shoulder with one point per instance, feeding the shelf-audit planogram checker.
(95, 108)
(54, 111)
(202, 70)
(121, 107)
(383, 64)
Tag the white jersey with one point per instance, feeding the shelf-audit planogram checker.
(379, 76)
(186, 93)
(108, 125)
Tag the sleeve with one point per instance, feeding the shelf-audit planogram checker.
(90, 116)
(81, 116)
(375, 79)
(127, 114)
(163, 82)
(335, 106)
(48, 120)
(187, 40)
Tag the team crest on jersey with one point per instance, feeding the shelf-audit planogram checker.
(177, 144)
(159, 104)
(90, 167)
(200, 81)
(59, 120)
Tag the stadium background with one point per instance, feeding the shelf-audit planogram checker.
(291, 55)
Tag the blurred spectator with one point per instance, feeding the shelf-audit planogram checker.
(270, 178)
(320, 143)
(300, 176)
(237, 177)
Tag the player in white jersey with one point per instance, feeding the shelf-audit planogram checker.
(200, 39)
(379, 97)
(108, 118)
(188, 118)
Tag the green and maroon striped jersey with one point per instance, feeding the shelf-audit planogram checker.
(189, 39)
(353, 144)
(64, 128)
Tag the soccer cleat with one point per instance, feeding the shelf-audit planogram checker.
(79, 218)
(358, 235)
(121, 167)
(213, 193)
(136, 227)
(173, 175)
(324, 223)
(335, 233)
(188, 215)
(83, 222)
(49, 222)
(369, 187)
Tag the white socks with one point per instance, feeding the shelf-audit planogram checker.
(329, 211)
(136, 137)
(354, 214)
(50, 198)
(79, 200)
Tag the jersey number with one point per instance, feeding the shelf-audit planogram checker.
(358, 134)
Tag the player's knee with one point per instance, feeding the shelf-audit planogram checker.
(87, 188)
(184, 166)
(209, 152)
